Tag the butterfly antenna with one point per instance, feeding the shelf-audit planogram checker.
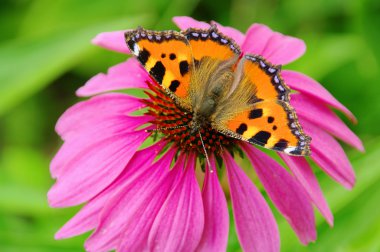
(167, 128)
(204, 149)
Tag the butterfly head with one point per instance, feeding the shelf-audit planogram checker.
(198, 122)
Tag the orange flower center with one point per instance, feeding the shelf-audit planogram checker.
(173, 123)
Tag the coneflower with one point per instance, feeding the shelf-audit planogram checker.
(149, 199)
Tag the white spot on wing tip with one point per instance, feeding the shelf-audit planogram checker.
(136, 49)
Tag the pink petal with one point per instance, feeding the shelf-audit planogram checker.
(86, 114)
(131, 211)
(329, 155)
(86, 138)
(143, 160)
(94, 168)
(129, 74)
(273, 46)
(136, 235)
(187, 22)
(88, 217)
(179, 224)
(307, 85)
(257, 38)
(236, 35)
(255, 225)
(85, 220)
(114, 41)
(282, 49)
(285, 192)
(324, 118)
(215, 232)
(305, 176)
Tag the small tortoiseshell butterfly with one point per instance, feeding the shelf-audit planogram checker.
(241, 96)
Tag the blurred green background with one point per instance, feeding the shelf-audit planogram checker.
(45, 55)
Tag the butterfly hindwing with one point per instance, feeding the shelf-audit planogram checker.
(166, 56)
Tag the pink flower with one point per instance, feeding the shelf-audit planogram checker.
(135, 202)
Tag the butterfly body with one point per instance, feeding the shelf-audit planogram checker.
(216, 78)
(241, 96)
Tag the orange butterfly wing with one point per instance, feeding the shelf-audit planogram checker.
(269, 121)
(266, 78)
(166, 56)
(211, 43)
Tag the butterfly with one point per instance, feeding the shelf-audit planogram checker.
(205, 73)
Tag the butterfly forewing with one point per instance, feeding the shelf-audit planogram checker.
(271, 124)
(211, 43)
(265, 118)
(266, 78)
(166, 56)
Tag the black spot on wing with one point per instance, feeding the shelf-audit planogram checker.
(242, 128)
(143, 56)
(158, 72)
(183, 67)
(172, 56)
(281, 144)
(255, 113)
(174, 85)
(260, 137)
(270, 119)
